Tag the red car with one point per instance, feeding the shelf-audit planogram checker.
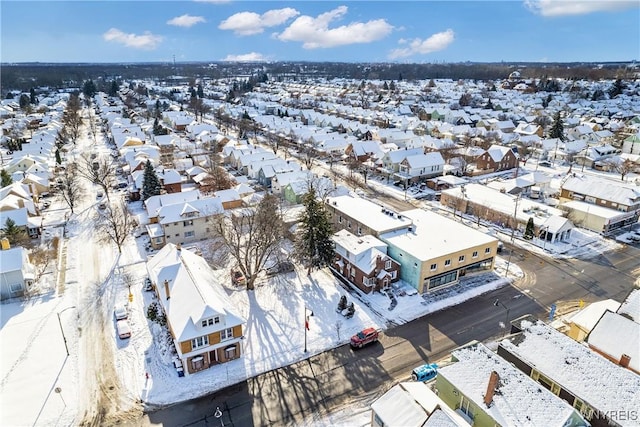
(364, 337)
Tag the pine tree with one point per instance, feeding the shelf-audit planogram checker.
(58, 159)
(5, 178)
(200, 91)
(113, 90)
(32, 96)
(528, 232)
(557, 128)
(16, 235)
(89, 90)
(617, 88)
(150, 183)
(314, 246)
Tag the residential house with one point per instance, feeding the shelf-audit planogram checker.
(496, 158)
(488, 391)
(572, 371)
(391, 160)
(421, 166)
(528, 129)
(280, 180)
(583, 321)
(230, 198)
(413, 404)
(171, 180)
(616, 335)
(205, 327)
(598, 204)
(364, 262)
(16, 272)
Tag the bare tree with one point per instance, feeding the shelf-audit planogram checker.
(41, 256)
(100, 171)
(252, 236)
(71, 118)
(115, 224)
(626, 166)
(70, 188)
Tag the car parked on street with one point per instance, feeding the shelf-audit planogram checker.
(120, 311)
(364, 337)
(280, 267)
(425, 372)
(123, 329)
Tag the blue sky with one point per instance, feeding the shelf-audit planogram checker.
(347, 31)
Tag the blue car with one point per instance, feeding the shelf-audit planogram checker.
(425, 372)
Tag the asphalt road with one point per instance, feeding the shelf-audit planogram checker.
(323, 383)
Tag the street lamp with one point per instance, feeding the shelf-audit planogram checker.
(306, 325)
(62, 330)
(499, 303)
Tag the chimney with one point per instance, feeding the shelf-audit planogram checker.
(166, 289)
(491, 388)
(624, 360)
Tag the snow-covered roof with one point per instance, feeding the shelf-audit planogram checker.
(415, 404)
(434, 236)
(154, 203)
(616, 335)
(592, 209)
(368, 213)
(614, 191)
(194, 293)
(631, 305)
(13, 259)
(584, 373)
(497, 152)
(180, 211)
(587, 318)
(518, 402)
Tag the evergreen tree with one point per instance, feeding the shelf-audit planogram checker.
(150, 183)
(113, 90)
(5, 178)
(32, 96)
(200, 91)
(24, 101)
(89, 90)
(617, 88)
(489, 105)
(16, 235)
(313, 245)
(58, 159)
(528, 232)
(557, 128)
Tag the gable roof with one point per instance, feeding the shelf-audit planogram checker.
(194, 293)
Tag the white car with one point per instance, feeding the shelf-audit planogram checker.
(120, 311)
(123, 328)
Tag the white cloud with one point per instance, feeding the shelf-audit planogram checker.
(576, 7)
(146, 41)
(249, 23)
(186, 21)
(246, 57)
(436, 42)
(315, 33)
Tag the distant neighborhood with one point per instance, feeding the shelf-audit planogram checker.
(247, 161)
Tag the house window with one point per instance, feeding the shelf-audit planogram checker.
(487, 250)
(387, 264)
(394, 274)
(340, 219)
(204, 323)
(461, 258)
(475, 254)
(415, 265)
(199, 342)
(227, 334)
(447, 263)
(349, 224)
(359, 231)
(15, 287)
(434, 267)
(187, 223)
(158, 240)
(189, 233)
(216, 320)
(197, 363)
(230, 352)
(353, 272)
